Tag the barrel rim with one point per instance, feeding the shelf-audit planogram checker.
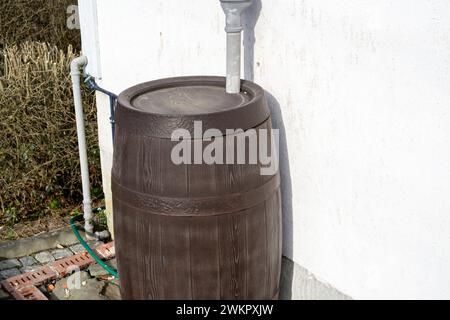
(244, 116)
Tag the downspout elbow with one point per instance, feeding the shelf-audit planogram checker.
(233, 10)
(77, 65)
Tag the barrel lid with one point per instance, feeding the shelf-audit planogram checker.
(157, 108)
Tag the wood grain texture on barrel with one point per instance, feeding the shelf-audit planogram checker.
(232, 256)
(193, 231)
(225, 256)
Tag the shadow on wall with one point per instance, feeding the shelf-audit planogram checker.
(250, 18)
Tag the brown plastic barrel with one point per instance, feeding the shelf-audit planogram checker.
(192, 231)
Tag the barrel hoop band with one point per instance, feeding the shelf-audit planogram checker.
(201, 206)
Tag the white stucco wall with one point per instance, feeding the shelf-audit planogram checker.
(362, 91)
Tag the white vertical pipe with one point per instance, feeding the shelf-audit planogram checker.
(233, 62)
(76, 65)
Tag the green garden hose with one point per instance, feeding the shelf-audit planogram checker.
(110, 270)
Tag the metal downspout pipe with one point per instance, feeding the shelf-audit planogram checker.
(233, 10)
(76, 66)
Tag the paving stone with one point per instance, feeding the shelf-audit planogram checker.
(61, 253)
(9, 264)
(29, 268)
(28, 261)
(88, 289)
(44, 257)
(97, 271)
(5, 274)
(4, 295)
(78, 248)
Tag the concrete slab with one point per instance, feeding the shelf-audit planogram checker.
(42, 242)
